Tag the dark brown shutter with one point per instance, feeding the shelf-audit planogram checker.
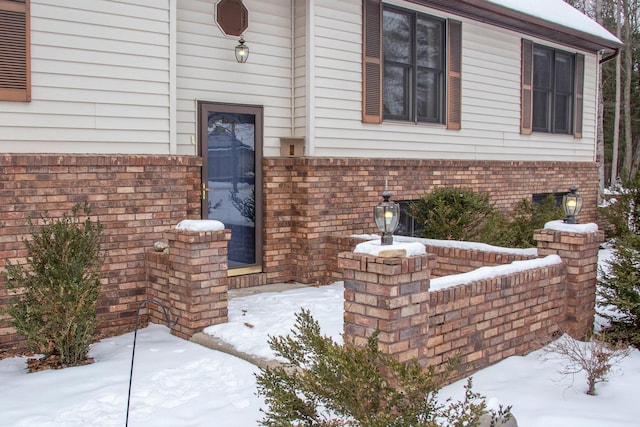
(578, 97)
(454, 74)
(372, 62)
(15, 80)
(526, 92)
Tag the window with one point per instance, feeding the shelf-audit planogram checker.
(553, 72)
(552, 90)
(15, 80)
(407, 226)
(411, 66)
(538, 198)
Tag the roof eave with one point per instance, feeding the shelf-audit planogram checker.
(491, 13)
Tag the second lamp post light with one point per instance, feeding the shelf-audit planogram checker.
(386, 215)
(572, 203)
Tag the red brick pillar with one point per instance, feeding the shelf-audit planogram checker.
(197, 279)
(391, 295)
(579, 251)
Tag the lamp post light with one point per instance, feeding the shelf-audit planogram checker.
(242, 51)
(572, 203)
(386, 215)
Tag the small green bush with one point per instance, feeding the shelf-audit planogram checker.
(458, 214)
(54, 299)
(515, 229)
(327, 384)
(450, 213)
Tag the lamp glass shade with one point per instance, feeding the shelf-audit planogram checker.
(572, 204)
(386, 216)
(242, 52)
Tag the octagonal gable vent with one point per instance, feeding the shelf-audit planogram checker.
(232, 17)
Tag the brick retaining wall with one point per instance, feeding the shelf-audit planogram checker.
(579, 251)
(190, 279)
(478, 323)
(483, 319)
(449, 260)
(489, 320)
(136, 198)
(461, 260)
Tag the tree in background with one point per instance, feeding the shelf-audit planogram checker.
(619, 291)
(619, 282)
(619, 116)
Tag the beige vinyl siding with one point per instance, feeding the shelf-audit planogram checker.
(101, 83)
(100, 80)
(337, 77)
(490, 100)
(299, 69)
(207, 69)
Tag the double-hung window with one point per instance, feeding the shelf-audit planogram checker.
(413, 46)
(552, 90)
(411, 66)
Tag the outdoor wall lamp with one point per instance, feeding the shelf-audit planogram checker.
(387, 215)
(572, 203)
(242, 52)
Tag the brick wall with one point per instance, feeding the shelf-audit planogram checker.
(480, 322)
(489, 320)
(580, 253)
(452, 260)
(308, 200)
(448, 259)
(190, 280)
(390, 295)
(337, 244)
(137, 198)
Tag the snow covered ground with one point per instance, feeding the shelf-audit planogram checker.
(179, 383)
(175, 383)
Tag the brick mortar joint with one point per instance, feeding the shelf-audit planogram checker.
(186, 236)
(63, 159)
(595, 236)
(382, 260)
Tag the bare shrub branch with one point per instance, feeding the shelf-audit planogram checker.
(595, 358)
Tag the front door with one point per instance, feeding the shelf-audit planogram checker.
(231, 147)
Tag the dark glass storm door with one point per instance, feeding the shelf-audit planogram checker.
(231, 188)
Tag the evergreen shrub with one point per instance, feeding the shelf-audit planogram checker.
(449, 213)
(619, 279)
(621, 210)
(619, 288)
(54, 295)
(327, 384)
(515, 229)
